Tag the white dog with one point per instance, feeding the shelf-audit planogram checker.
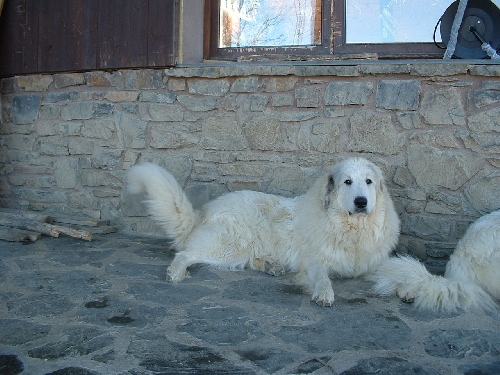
(344, 225)
(471, 279)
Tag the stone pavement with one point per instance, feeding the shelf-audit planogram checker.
(103, 307)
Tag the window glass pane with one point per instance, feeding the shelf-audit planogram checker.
(269, 23)
(393, 21)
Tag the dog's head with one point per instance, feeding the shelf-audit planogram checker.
(353, 186)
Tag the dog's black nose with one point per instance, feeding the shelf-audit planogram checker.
(360, 202)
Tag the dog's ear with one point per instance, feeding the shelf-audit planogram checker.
(329, 186)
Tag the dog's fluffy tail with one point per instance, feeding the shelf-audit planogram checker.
(409, 279)
(167, 203)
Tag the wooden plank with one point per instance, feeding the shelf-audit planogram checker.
(60, 219)
(45, 40)
(89, 33)
(105, 44)
(103, 229)
(6, 213)
(138, 37)
(18, 235)
(45, 229)
(74, 31)
(161, 33)
(31, 37)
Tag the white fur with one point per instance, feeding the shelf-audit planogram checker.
(320, 233)
(471, 279)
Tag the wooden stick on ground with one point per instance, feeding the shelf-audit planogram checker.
(16, 221)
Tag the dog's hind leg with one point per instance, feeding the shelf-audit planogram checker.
(206, 245)
(268, 266)
(177, 270)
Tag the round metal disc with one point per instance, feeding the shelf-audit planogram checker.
(484, 15)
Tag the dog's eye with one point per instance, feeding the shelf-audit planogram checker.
(348, 182)
(368, 181)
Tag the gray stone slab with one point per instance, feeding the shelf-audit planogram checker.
(103, 307)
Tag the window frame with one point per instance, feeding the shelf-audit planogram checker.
(213, 52)
(333, 42)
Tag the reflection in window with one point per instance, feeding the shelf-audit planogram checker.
(269, 23)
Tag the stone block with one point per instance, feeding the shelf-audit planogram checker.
(321, 136)
(131, 131)
(263, 132)
(296, 116)
(485, 121)
(255, 102)
(121, 96)
(142, 79)
(174, 135)
(107, 158)
(426, 227)
(288, 181)
(330, 70)
(179, 164)
(484, 97)
(176, 84)
(442, 203)
(97, 79)
(49, 112)
(484, 194)
(77, 111)
(282, 100)
(93, 178)
(7, 85)
(157, 97)
(203, 104)
(18, 142)
(98, 128)
(25, 109)
(200, 194)
(346, 93)
(161, 112)
(104, 109)
(481, 142)
(66, 173)
(208, 87)
(433, 168)
(70, 128)
(307, 97)
(337, 111)
(53, 146)
(409, 120)
(222, 133)
(485, 70)
(35, 82)
(278, 84)
(69, 79)
(398, 94)
(442, 107)
(246, 84)
(58, 97)
(374, 132)
(78, 146)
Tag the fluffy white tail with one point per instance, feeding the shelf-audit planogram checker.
(167, 203)
(409, 279)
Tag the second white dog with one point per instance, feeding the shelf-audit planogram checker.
(345, 225)
(471, 279)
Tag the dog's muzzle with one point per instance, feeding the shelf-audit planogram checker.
(360, 204)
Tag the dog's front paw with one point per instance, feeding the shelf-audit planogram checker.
(174, 276)
(324, 296)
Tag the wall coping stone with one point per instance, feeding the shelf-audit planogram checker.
(338, 68)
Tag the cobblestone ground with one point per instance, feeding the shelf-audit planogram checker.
(104, 307)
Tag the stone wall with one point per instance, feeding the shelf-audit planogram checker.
(434, 128)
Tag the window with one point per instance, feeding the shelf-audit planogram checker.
(300, 29)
